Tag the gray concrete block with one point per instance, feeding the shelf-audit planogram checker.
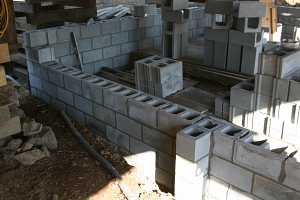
(64, 33)
(245, 39)
(267, 189)
(116, 98)
(103, 63)
(70, 60)
(146, 21)
(177, 5)
(166, 162)
(89, 68)
(220, 55)
(83, 45)
(35, 38)
(35, 82)
(51, 34)
(264, 85)
(129, 23)
(139, 106)
(219, 7)
(72, 81)
(294, 95)
(263, 104)
(249, 9)
(62, 49)
(119, 38)
(154, 31)
(65, 96)
(158, 140)
(56, 76)
(292, 172)
(164, 178)
(33, 68)
(129, 47)
(173, 118)
(144, 10)
(247, 25)
(117, 137)
(75, 114)
(112, 51)
(49, 89)
(104, 114)
(216, 35)
(83, 104)
(133, 36)
(232, 174)
(97, 127)
(120, 61)
(174, 16)
(101, 41)
(137, 147)
(225, 138)
(234, 58)
(242, 96)
(250, 59)
(42, 54)
(111, 26)
(44, 73)
(129, 126)
(291, 133)
(92, 56)
(268, 64)
(90, 30)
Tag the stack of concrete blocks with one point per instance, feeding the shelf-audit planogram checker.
(272, 107)
(222, 161)
(101, 44)
(159, 76)
(234, 41)
(222, 107)
(289, 22)
(175, 27)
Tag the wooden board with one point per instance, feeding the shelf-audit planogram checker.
(2, 76)
(4, 53)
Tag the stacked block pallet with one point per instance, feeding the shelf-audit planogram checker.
(41, 12)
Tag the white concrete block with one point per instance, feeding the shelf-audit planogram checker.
(242, 96)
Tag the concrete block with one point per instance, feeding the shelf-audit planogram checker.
(111, 26)
(89, 68)
(72, 81)
(42, 54)
(276, 128)
(249, 9)
(158, 140)
(220, 21)
(119, 38)
(219, 7)
(97, 127)
(247, 25)
(245, 39)
(65, 96)
(144, 10)
(103, 63)
(164, 178)
(294, 94)
(75, 114)
(49, 89)
(133, 36)
(69, 61)
(56, 76)
(242, 96)
(261, 122)
(236, 194)
(176, 5)
(288, 64)
(174, 16)
(292, 167)
(173, 118)
(189, 190)
(146, 21)
(138, 147)
(139, 106)
(281, 89)
(62, 49)
(117, 137)
(267, 189)
(51, 35)
(268, 64)
(129, 23)
(166, 162)
(224, 139)
(112, 51)
(241, 117)
(220, 55)
(129, 47)
(263, 104)
(117, 97)
(90, 30)
(214, 184)
(84, 45)
(33, 68)
(250, 59)
(264, 85)
(64, 33)
(104, 114)
(248, 151)
(129, 126)
(101, 41)
(83, 104)
(35, 82)
(291, 133)
(120, 61)
(35, 38)
(154, 31)
(234, 58)
(92, 56)
(232, 174)
(216, 35)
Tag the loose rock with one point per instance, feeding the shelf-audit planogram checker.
(31, 128)
(30, 157)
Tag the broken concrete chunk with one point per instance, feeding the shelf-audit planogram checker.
(46, 137)
(30, 157)
(26, 146)
(14, 144)
(31, 128)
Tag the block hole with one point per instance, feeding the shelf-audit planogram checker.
(157, 58)
(210, 125)
(176, 111)
(148, 61)
(231, 131)
(161, 65)
(191, 116)
(194, 132)
(253, 22)
(247, 87)
(129, 93)
(157, 104)
(171, 61)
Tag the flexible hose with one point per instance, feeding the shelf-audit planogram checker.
(4, 17)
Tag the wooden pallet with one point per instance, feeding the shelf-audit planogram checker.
(43, 12)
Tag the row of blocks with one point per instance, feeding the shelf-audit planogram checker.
(159, 76)
(233, 50)
(244, 16)
(242, 152)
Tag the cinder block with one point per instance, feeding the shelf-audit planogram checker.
(263, 104)
(158, 140)
(232, 174)
(151, 32)
(64, 33)
(35, 38)
(117, 137)
(56, 76)
(119, 38)
(166, 162)
(294, 94)
(267, 189)
(62, 49)
(103, 63)
(51, 35)
(104, 114)
(292, 172)
(225, 138)
(83, 105)
(146, 21)
(236, 194)
(35, 82)
(264, 85)
(69, 61)
(42, 54)
(75, 114)
(291, 133)
(120, 61)
(117, 97)
(144, 109)
(276, 128)
(174, 16)
(249, 9)
(129, 126)
(241, 117)
(173, 118)
(144, 10)
(261, 122)
(220, 55)
(84, 45)
(129, 47)
(214, 184)
(129, 23)
(247, 25)
(90, 30)
(216, 35)
(101, 41)
(193, 142)
(281, 89)
(97, 127)
(92, 56)
(268, 64)
(164, 178)
(65, 96)
(219, 7)
(234, 58)
(245, 39)
(254, 156)
(111, 26)
(176, 5)
(72, 81)
(112, 51)
(242, 96)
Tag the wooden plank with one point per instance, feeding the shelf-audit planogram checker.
(2, 76)
(4, 53)
(10, 127)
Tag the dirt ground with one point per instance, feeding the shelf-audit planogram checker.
(70, 173)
